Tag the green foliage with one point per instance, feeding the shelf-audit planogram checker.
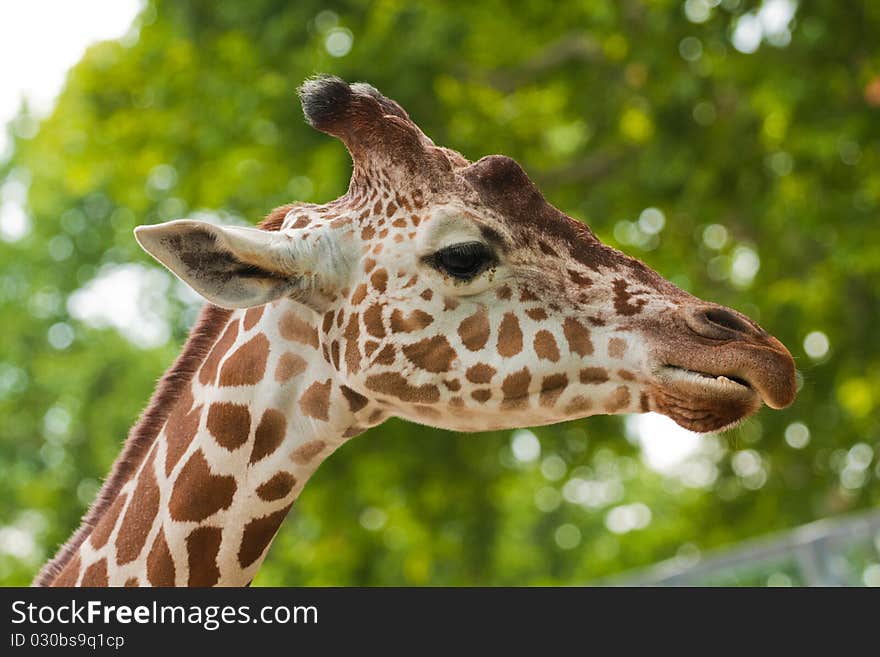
(766, 159)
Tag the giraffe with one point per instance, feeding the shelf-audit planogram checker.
(439, 290)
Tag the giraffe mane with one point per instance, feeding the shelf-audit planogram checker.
(211, 321)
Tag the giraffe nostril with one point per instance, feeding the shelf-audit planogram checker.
(726, 319)
(718, 323)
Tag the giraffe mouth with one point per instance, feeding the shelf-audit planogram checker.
(702, 401)
(724, 382)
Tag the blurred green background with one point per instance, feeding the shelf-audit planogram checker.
(732, 145)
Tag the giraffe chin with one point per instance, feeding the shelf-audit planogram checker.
(703, 402)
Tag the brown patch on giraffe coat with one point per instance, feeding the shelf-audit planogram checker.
(369, 347)
(289, 366)
(247, 365)
(483, 395)
(545, 346)
(644, 403)
(277, 487)
(625, 303)
(516, 387)
(102, 531)
(202, 548)
(415, 321)
(353, 431)
(327, 323)
(258, 533)
(301, 222)
(504, 293)
(402, 201)
(293, 328)
(527, 295)
(70, 573)
(140, 514)
(510, 337)
(356, 401)
(367, 233)
(230, 424)
(269, 434)
(392, 383)
(427, 294)
(386, 356)
(209, 368)
(198, 493)
(303, 454)
(474, 330)
(551, 387)
(379, 280)
(579, 279)
(160, 563)
(480, 373)
(359, 294)
(449, 303)
(252, 316)
(431, 354)
(452, 384)
(373, 321)
(616, 347)
(618, 399)
(537, 314)
(315, 401)
(180, 429)
(578, 337)
(132, 583)
(96, 575)
(352, 350)
(334, 353)
(626, 375)
(593, 375)
(578, 405)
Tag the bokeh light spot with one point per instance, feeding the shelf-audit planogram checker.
(525, 446)
(816, 345)
(715, 236)
(339, 41)
(567, 536)
(797, 435)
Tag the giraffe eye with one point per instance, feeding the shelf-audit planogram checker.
(463, 261)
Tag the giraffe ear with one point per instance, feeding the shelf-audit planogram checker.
(232, 267)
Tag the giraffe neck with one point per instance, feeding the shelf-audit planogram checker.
(256, 419)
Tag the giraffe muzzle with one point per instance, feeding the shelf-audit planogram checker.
(716, 367)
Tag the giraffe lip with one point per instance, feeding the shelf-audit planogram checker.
(728, 381)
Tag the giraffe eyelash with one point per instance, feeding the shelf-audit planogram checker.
(464, 261)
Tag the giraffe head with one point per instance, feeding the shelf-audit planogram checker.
(453, 294)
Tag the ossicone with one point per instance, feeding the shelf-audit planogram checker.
(373, 128)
